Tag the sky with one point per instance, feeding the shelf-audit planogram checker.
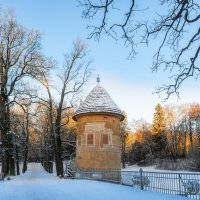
(130, 83)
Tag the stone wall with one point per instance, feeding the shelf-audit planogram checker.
(98, 155)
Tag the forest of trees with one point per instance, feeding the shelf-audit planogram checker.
(172, 141)
(36, 108)
(37, 98)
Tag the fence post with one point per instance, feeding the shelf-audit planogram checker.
(179, 180)
(119, 177)
(141, 181)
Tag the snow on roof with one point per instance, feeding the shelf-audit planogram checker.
(98, 101)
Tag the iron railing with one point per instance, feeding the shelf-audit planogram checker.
(184, 184)
(108, 176)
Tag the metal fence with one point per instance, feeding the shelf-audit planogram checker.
(108, 176)
(184, 184)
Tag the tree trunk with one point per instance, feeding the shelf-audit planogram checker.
(184, 144)
(58, 156)
(17, 160)
(24, 169)
(11, 156)
(52, 140)
(123, 151)
(8, 163)
(3, 128)
(5, 153)
(191, 135)
(58, 150)
(52, 152)
(10, 144)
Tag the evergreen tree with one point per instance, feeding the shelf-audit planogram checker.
(158, 132)
(158, 126)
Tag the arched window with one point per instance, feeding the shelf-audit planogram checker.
(90, 139)
(105, 138)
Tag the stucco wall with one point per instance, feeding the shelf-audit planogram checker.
(98, 156)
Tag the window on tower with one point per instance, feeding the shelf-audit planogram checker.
(105, 138)
(90, 139)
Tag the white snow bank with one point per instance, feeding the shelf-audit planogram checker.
(152, 169)
(37, 184)
(137, 168)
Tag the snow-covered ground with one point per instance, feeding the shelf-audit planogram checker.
(37, 184)
(152, 169)
(137, 168)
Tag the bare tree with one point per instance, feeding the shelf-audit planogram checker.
(20, 125)
(177, 29)
(72, 77)
(20, 57)
(44, 126)
(25, 106)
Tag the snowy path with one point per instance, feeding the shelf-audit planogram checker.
(36, 184)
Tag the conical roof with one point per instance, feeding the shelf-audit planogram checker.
(98, 101)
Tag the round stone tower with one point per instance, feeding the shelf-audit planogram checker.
(98, 139)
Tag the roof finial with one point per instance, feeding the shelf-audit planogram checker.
(98, 79)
